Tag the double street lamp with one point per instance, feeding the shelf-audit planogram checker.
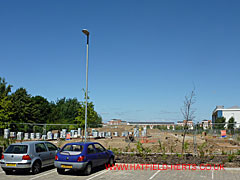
(85, 31)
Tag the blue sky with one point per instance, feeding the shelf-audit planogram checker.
(145, 56)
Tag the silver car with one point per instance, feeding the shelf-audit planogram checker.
(29, 155)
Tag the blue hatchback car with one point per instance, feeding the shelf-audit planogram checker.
(82, 156)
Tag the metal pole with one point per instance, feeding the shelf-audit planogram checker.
(86, 93)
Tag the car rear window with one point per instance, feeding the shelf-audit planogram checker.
(72, 149)
(17, 149)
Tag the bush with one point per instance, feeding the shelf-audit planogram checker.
(201, 149)
(231, 157)
(6, 142)
(141, 150)
(186, 146)
(224, 153)
(115, 151)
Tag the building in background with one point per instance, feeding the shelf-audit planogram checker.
(206, 124)
(152, 124)
(220, 111)
(182, 123)
(116, 122)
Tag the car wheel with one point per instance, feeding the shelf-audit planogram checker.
(111, 161)
(60, 171)
(8, 172)
(88, 169)
(36, 168)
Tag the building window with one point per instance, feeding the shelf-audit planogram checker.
(219, 114)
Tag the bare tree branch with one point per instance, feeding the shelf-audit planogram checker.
(188, 112)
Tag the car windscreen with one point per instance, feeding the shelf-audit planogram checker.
(17, 149)
(72, 149)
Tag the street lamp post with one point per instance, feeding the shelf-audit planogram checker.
(85, 31)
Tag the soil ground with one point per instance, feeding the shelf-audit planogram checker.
(167, 142)
(158, 146)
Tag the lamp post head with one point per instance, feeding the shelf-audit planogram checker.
(85, 31)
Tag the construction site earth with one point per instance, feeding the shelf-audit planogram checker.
(165, 147)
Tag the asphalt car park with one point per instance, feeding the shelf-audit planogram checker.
(102, 173)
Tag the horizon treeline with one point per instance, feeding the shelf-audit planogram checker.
(21, 107)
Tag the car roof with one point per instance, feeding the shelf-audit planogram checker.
(28, 142)
(82, 143)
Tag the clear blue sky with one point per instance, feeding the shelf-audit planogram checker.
(145, 56)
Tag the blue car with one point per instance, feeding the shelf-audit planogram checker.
(81, 156)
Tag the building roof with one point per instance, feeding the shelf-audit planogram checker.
(221, 108)
(234, 107)
(151, 123)
(115, 120)
(189, 121)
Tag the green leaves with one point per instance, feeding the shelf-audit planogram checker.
(5, 111)
(220, 123)
(5, 103)
(93, 119)
(231, 123)
(21, 107)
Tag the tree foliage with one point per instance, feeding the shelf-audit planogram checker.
(64, 111)
(93, 119)
(231, 123)
(220, 123)
(22, 107)
(5, 103)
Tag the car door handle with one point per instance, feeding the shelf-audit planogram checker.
(39, 154)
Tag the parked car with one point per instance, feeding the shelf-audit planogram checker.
(81, 156)
(29, 155)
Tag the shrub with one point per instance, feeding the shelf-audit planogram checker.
(186, 146)
(201, 149)
(231, 157)
(224, 153)
(179, 155)
(115, 151)
(212, 157)
(126, 149)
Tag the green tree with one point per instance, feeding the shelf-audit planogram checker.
(40, 109)
(231, 124)
(199, 126)
(93, 119)
(4, 88)
(5, 111)
(5, 103)
(220, 123)
(22, 109)
(178, 127)
(22, 106)
(64, 111)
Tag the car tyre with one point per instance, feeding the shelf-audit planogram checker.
(8, 172)
(111, 161)
(36, 168)
(88, 169)
(60, 171)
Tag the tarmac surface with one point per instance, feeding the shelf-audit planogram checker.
(122, 174)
